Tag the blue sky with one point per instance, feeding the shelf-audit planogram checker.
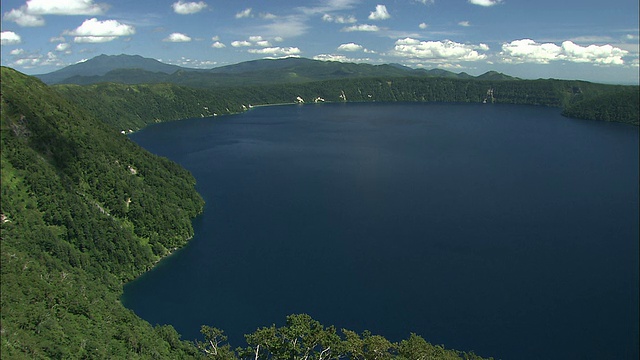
(590, 40)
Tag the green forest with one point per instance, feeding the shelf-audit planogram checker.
(132, 107)
(84, 210)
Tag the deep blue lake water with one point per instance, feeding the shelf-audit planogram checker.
(507, 230)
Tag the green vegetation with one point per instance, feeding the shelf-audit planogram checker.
(305, 338)
(620, 105)
(135, 106)
(84, 210)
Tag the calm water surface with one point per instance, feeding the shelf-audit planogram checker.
(507, 230)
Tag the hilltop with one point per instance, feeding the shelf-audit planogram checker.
(133, 69)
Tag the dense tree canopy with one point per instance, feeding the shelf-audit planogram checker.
(132, 107)
(84, 209)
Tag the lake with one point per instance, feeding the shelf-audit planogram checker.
(507, 230)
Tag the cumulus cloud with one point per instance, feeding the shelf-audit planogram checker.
(438, 50)
(9, 38)
(30, 60)
(339, 19)
(218, 45)
(16, 52)
(380, 13)
(485, 3)
(276, 51)
(63, 47)
(66, 7)
(95, 31)
(464, 23)
(186, 8)
(93, 39)
(255, 40)
(241, 43)
(177, 37)
(362, 27)
(340, 58)
(244, 13)
(31, 13)
(22, 18)
(423, 26)
(349, 47)
(529, 51)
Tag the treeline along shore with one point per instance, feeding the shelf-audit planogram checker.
(133, 106)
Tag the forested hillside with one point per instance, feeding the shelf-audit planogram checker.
(135, 106)
(620, 105)
(83, 210)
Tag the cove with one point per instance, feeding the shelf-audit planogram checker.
(507, 230)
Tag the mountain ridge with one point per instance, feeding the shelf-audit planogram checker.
(119, 69)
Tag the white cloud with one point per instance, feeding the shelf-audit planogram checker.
(259, 41)
(31, 13)
(341, 58)
(57, 39)
(276, 51)
(93, 39)
(242, 43)
(63, 47)
(362, 27)
(66, 7)
(423, 26)
(529, 51)
(268, 16)
(95, 31)
(464, 23)
(339, 19)
(329, 6)
(380, 13)
(16, 52)
(186, 8)
(244, 13)
(436, 51)
(605, 54)
(9, 38)
(426, 2)
(177, 37)
(20, 17)
(284, 26)
(218, 45)
(632, 37)
(485, 3)
(349, 47)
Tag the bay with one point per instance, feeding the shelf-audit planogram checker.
(507, 230)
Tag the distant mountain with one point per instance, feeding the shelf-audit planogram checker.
(495, 76)
(102, 64)
(133, 69)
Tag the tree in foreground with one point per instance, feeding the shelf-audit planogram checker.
(303, 338)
